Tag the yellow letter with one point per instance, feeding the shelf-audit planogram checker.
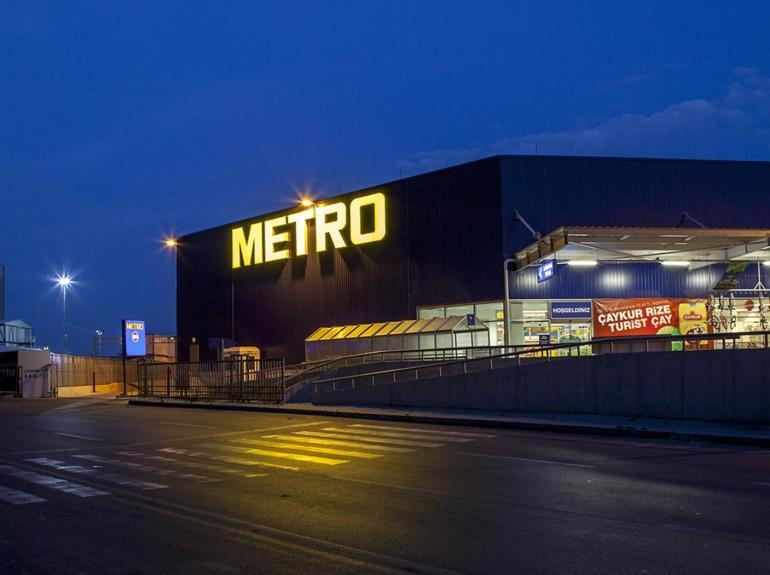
(299, 219)
(332, 229)
(356, 235)
(272, 238)
(248, 251)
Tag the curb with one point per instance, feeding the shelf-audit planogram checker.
(583, 429)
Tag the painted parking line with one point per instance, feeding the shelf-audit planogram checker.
(528, 460)
(398, 435)
(16, 497)
(69, 487)
(242, 461)
(354, 437)
(276, 454)
(109, 477)
(338, 443)
(423, 430)
(308, 448)
(191, 464)
(146, 468)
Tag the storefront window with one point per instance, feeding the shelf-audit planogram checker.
(431, 312)
(530, 322)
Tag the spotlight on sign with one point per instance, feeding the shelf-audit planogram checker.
(582, 263)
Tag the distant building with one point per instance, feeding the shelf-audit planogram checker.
(13, 333)
(16, 333)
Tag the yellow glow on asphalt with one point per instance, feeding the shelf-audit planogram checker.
(333, 442)
(244, 461)
(278, 454)
(369, 439)
(326, 450)
(398, 435)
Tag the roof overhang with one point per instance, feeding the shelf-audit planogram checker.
(697, 247)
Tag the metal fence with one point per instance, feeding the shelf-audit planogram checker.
(233, 380)
(75, 370)
(684, 343)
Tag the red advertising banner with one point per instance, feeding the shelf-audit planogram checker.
(634, 317)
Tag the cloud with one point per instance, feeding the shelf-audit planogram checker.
(728, 127)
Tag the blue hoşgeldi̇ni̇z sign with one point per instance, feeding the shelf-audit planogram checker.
(570, 309)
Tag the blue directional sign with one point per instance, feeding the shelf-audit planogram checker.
(546, 270)
(134, 339)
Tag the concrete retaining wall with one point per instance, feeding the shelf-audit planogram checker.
(729, 385)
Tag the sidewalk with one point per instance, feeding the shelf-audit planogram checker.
(714, 432)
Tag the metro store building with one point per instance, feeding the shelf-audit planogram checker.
(621, 246)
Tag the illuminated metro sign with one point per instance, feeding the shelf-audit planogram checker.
(287, 236)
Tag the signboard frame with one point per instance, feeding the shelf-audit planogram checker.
(546, 271)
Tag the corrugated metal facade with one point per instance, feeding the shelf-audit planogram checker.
(616, 281)
(448, 233)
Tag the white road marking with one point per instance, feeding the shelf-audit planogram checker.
(424, 430)
(368, 439)
(397, 435)
(63, 485)
(331, 442)
(187, 424)
(16, 497)
(228, 459)
(109, 477)
(145, 468)
(308, 448)
(761, 483)
(269, 453)
(193, 464)
(528, 460)
(79, 436)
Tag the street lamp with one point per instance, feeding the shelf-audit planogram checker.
(64, 281)
(172, 244)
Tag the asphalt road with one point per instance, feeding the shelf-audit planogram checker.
(102, 487)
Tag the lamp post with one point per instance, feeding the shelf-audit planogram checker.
(64, 281)
(172, 244)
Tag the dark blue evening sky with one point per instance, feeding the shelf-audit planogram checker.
(123, 121)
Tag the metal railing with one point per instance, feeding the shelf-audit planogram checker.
(233, 380)
(303, 372)
(546, 353)
(85, 371)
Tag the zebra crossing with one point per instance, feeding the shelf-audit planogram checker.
(246, 456)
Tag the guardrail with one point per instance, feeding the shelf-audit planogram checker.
(300, 373)
(536, 354)
(233, 380)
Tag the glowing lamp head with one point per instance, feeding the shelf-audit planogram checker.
(307, 202)
(63, 281)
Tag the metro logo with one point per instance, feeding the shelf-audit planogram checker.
(283, 237)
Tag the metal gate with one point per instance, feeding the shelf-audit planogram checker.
(242, 379)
